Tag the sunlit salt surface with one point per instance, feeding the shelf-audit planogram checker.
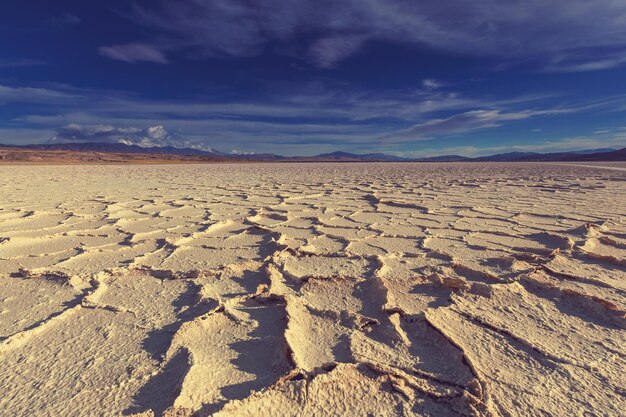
(313, 289)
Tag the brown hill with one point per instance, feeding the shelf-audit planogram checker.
(33, 156)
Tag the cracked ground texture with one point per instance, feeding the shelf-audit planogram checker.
(313, 289)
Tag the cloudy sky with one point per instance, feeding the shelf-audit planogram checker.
(303, 77)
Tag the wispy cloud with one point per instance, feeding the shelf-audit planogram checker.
(585, 36)
(581, 60)
(20, 62)
(331, 104)
(316, 119)
(133, 52)
(92, 133)
(465, 122)
(65, 19)
(39, 95)
(326, 52)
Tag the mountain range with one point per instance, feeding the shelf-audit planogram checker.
(12, 152)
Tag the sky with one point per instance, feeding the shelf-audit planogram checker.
(303, 77)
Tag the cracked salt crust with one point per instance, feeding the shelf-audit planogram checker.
(313, 289)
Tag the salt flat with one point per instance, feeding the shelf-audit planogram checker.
(313, 289)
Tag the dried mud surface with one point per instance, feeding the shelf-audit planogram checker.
(319, 289)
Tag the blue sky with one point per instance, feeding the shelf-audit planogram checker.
(413, 78)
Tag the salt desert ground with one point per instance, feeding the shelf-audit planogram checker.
(313, 289)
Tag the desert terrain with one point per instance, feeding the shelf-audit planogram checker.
(313, 289)
(19, 156)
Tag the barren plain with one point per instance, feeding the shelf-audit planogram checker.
(313, 289)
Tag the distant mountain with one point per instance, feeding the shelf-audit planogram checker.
(97, 155)
(507, 157)
(444, 158)
(599, 150)
(586, 154)
(189, 154)
(267, 157)
(618, 155)
(118, 148)
(352, 157)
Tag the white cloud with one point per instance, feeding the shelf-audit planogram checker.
(432, 84)
(147, 137)
(133, 52)
(240, 152)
